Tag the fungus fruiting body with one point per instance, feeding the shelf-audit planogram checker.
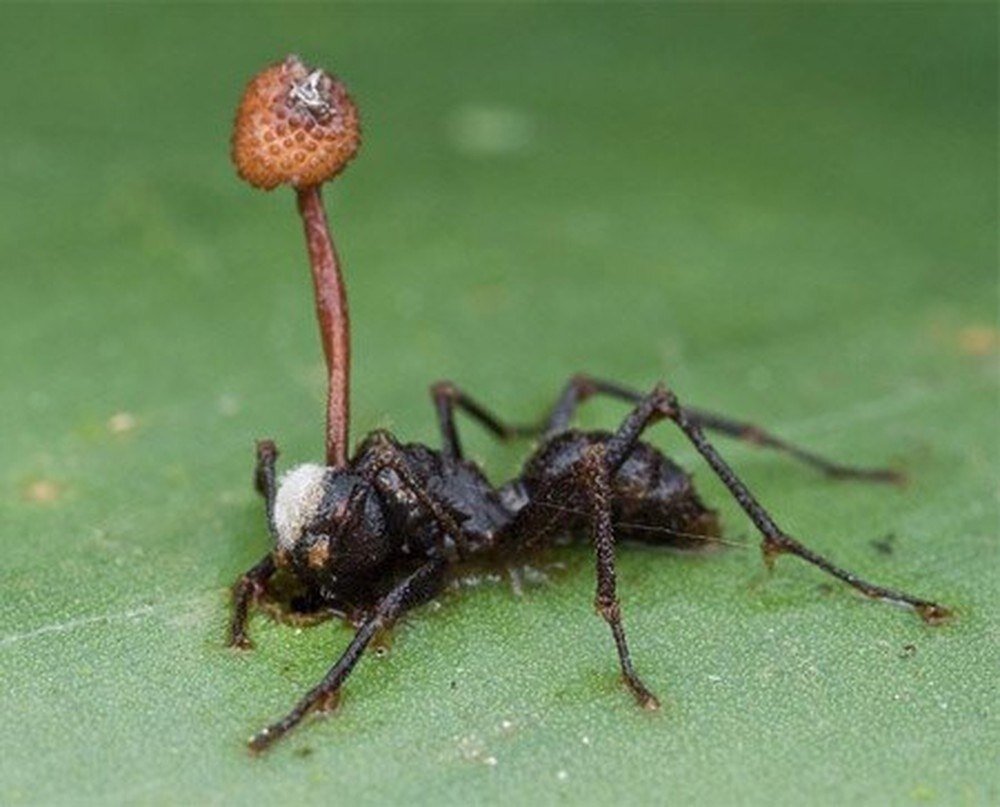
(298, 126)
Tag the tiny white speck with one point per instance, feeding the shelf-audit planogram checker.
(228, 405)
(122, 422)
(585, 739)
(506, 725)
(715, 679)
(562, 776)
(491, 761)
(515, 581)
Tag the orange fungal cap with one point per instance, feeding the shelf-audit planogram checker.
(294, 126)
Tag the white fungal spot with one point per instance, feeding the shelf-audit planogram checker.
(471, 749)
(562, 776)
(300, 494)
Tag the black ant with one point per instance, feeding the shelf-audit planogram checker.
(382, 532)
(377, 534)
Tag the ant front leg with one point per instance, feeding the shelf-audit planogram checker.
(581, 387)
(247, 589)
(389, 456)
(447, 397)
(253, 582)
(420, 586)
(661, 403)
(595, 480)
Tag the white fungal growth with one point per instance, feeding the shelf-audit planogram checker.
(300, 493)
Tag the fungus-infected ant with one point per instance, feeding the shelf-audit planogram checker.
(379, 532)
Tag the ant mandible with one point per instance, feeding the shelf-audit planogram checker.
(378, 533)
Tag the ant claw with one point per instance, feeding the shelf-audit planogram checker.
(260, 741)
(651, 703)
(932, 613)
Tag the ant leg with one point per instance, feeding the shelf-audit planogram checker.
(251, 584)
(595, 477)
(749, 433)
(390, 456)
(662, 403)
(581, 387)
(418, 587)
(247, 589)
(447, 397)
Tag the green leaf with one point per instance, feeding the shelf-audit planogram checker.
(788, 212)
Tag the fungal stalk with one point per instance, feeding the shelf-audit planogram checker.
(298, 126)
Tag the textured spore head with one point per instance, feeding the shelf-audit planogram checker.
(295, 126)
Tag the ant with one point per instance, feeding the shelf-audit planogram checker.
(382, 532)
(377, 534)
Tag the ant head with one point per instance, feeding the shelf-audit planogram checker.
(330, 524)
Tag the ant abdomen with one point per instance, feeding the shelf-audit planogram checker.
(653, 499)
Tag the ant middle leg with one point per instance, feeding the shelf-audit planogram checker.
(448, 397)
(581, 387)
(587, 482)
(660, 404)
(595, 480)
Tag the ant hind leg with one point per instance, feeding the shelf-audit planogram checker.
(661, 403)
(581, 387)
(593, 478)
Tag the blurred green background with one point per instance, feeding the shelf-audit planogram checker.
(788, 211)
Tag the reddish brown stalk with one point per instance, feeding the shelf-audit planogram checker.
(298, 126)
(334, 326)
